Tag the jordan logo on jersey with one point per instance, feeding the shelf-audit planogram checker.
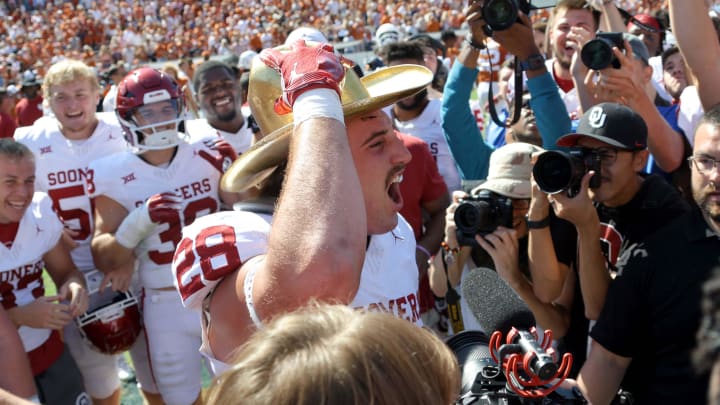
(45, 149)
(127, 179)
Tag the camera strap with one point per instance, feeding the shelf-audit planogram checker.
(517, 99)
(453, 302)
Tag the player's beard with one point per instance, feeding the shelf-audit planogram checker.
(228, 116)
(561, 58)
(413, 102)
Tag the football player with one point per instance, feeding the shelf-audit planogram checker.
(64, 145)
(220, 98)
(336, 233)
(30, 235)
(142, 200)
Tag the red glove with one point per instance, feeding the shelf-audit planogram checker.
(304, 68)
(164, 208)
(223, 158)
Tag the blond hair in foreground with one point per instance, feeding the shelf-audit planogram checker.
(332, 354)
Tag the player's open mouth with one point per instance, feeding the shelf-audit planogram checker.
(222, 102)
(74, 115)
(17, 205)
(393, 189)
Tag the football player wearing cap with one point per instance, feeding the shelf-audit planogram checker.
(623, 207)
(336, 233)
(63, 147)
(30, 235)
(647, 329)
(142, 199)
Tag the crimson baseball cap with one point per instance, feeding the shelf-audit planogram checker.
(612, 123)
(646, 22)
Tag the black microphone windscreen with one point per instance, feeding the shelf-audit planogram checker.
(495, 304)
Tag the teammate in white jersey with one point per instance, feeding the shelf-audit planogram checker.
(142, 200)
(30, 235)
(419, 115)
(220, 98)
(64, 146)
(336, 233)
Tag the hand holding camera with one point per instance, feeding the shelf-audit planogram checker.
(475, 21)
(620, 82)
(450, 227)
(498, 18)
(576, 39)
(566, 177)
(578, 209)
(481, 214)
(502, 245)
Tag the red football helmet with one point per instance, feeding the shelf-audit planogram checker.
(142, 87)
(112, 328)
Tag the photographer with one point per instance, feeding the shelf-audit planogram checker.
(623, 210)
(627, 79)
(499, 239)
(655, 302)
(471, 153)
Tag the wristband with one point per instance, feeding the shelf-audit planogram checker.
(422, 249)
(474, 45)
(533, 62)
(543, 223)
(318, 103)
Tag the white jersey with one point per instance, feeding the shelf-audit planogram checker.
(199, 129)
(62, 169)
(389, 279)
(194, 175)
(428, 127)
(22, 264)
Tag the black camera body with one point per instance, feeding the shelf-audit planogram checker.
(502, 14)
(481, 214)
(556, 171)
(597, 53)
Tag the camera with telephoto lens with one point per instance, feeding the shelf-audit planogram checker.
(556, 171)
(597, 53)
(502, 14)
(481, 214)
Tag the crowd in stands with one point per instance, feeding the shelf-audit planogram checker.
(34, 34)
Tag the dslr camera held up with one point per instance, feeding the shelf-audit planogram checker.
(597, 53)
(556, 171)
(480, 214)
(502, 14)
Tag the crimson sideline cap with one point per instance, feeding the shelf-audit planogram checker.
(612, 123)
(646, 22)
